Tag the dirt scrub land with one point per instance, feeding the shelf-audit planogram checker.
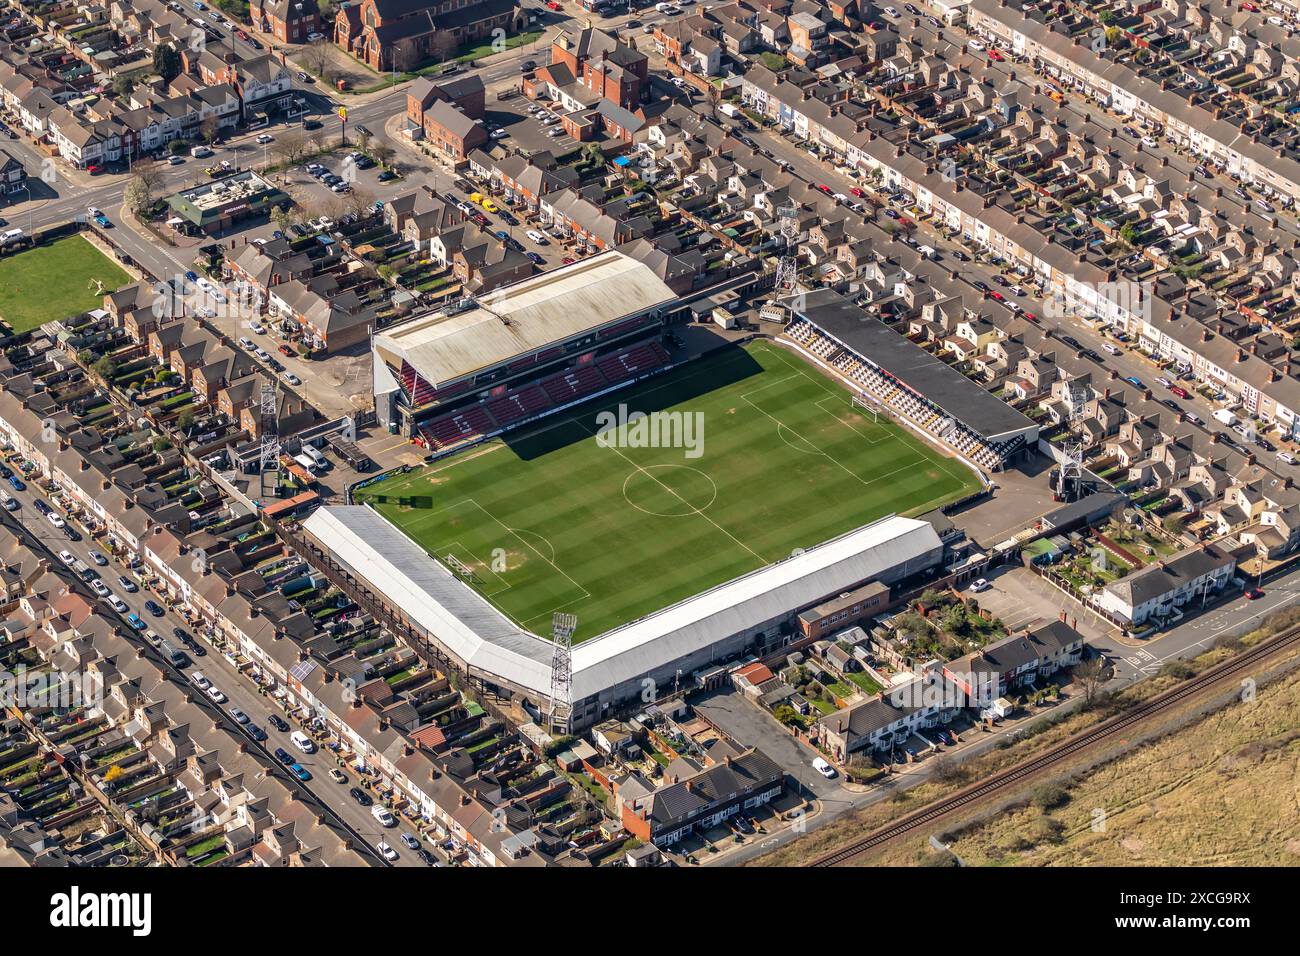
(1224, 791)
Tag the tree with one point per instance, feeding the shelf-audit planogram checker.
(105, 367)
(1049, 796)
(1089, 675)
(122, 86)
(359, 202)
(138, 196)
(1174, 523)
(444, 46)
(381, 152)
(281, 216)
(1129, 233)
(786, 714)
(185, 420)
(946, 770)
(316, 57)
(363, 140)
(209, 129)
(289, 147)
(166, 62)
(387, 273)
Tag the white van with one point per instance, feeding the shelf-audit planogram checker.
(927, 251)
(10, 235)
(303, 742)
(319, 460)
(199, 152)
(1225, 416)
(383, 815)
(1287, 457)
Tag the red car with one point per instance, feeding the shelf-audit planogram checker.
(995, 55)
(905, 222)
(1254, 594)
(94, 170)
(860, 193)
(552, 4)
(286, 351)
(997, 296)
(1030, 316)
(1180, 391)
(822, 187)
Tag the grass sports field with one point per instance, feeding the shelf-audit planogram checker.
(554, 520)
(54, 281)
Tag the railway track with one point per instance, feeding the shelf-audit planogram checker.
(1107, 729)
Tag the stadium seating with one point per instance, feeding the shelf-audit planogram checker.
(896, 397)
(565, 386)
(536, 398)
(519, 404)
(464, 424)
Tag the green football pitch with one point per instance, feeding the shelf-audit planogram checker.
(553, 519)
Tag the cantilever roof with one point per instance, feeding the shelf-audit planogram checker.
(525, 317)
(468, 626)
(952, 391)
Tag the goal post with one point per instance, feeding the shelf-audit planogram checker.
(868, 405)
(458, 566)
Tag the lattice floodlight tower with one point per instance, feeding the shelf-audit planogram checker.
(1070, 475)
(787, 267)
(562, 627)
(270, 427)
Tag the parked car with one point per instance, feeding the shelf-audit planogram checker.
(98, 558)
(216, 694)
(980, 584)
(283, 755)
(337, 775)
(136, 621)
(360, 796)
(279, 723)
(384, 816)
(299, 771)
(257, 733)
(154, 608)
(239, 715)
(56, 519)
(823, 768)
(386, 851)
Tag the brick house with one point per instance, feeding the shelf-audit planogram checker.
(452, 134)
(289, 21)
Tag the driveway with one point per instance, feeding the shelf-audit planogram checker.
(751, 726)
